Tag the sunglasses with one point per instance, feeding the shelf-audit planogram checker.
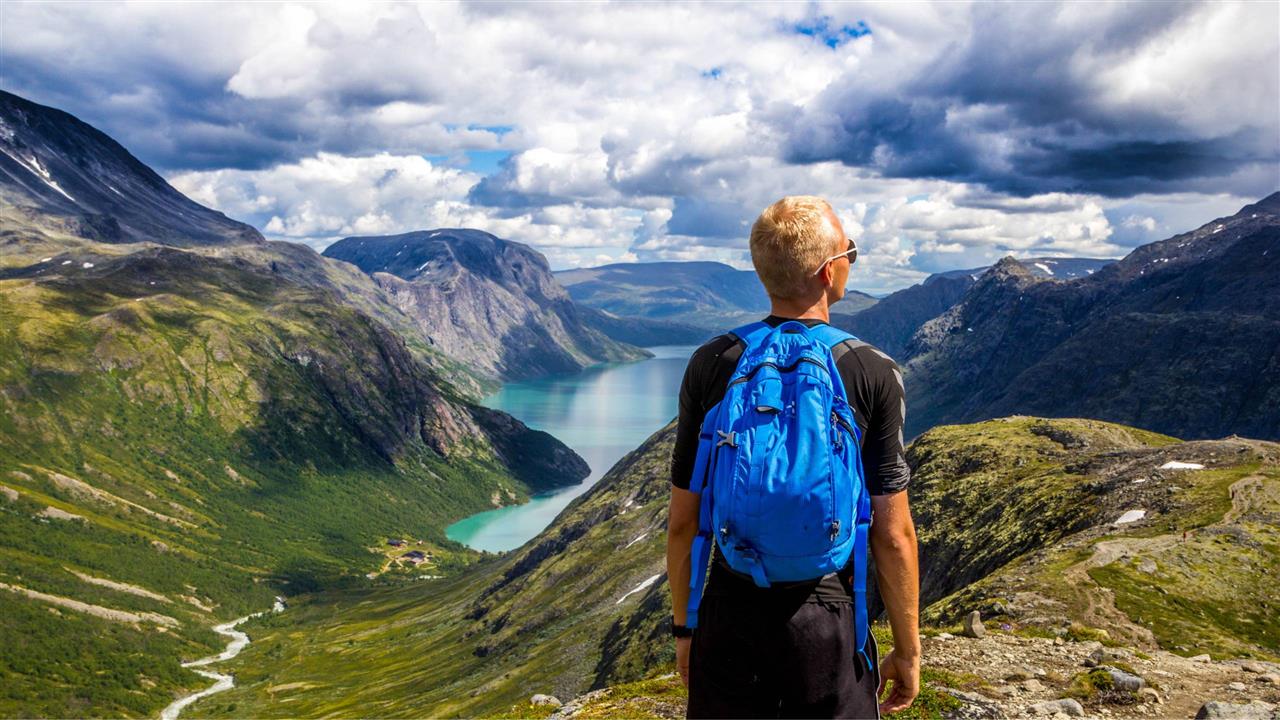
(852, 252)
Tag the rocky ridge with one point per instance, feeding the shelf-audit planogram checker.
(489, 303)
(63, 178)
(1178, 337)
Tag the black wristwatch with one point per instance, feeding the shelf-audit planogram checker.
(680, 631)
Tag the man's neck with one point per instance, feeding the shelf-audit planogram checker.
(801, 310)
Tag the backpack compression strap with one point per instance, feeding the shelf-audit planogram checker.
(700, 552)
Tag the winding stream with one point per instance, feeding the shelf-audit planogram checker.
(603, 413)
(221, 681)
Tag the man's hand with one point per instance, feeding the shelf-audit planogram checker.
(905, 674)
(682, 658)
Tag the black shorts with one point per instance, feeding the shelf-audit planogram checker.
(779, 660)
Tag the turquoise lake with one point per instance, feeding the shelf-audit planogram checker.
(603, 413)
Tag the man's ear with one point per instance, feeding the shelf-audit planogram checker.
(827, 275)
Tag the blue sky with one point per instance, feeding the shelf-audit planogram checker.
(946, 135)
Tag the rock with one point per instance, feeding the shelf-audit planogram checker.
(945, 636)
(998, 608)
(973, 626)
(541, 699)
(1271, 678)
(1147, 694)
(1201, 658)
(1255, 710)
(1067, 707)
(1032, 685)
(973, 706)
(1147, 566)
(1237, 686)
(1101, 655)
(1020, 673)
(1122, 680)
(1253, 666)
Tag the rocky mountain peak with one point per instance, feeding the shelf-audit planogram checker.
(60, 176)
(485, 301)
(1008, 267)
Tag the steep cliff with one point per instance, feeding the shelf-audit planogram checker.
(489, 303)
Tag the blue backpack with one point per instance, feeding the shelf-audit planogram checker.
(780, 469)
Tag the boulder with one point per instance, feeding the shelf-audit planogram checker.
(1255, 710)
(1149, 695)
(973, 626)
(1253, 666)
(1272, 678)
(1237, 686)
(548, 700)
(1066, 706)
(973, 706)
(1201, 658)
(1122, 680)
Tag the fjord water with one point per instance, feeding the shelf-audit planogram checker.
(603, 413)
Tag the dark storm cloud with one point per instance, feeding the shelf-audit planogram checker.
(1016, 107)
(171, 120)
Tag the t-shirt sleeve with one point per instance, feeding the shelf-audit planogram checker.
(691, 412)
(884, 460)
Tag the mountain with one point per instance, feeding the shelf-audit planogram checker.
(584, 604)
(195, 421)
(61, 177)
(891, 323)
(1181, 336)
(644, 332)
(488, 303)
(710, 296)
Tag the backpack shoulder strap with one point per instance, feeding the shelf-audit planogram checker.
(752, 334)
(836, 339)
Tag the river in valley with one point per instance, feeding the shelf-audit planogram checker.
(603, 413)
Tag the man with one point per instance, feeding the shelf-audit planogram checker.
(788, 650)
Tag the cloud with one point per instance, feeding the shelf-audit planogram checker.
(1115, 100)
(944, 134)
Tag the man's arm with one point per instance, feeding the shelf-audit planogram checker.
(880, 390)
(683, 509)
(682, 526)
(893, 545)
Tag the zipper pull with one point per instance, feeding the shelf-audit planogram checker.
(835, 529)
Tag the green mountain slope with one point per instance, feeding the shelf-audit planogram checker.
(189, 428)
(220, 434)
(584, 605)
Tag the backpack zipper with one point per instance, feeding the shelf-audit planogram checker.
(843, 423)
(835, 523)
(774, 365)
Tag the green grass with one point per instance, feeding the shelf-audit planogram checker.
(285, 431)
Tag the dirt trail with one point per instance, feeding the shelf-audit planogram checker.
(1099, 601)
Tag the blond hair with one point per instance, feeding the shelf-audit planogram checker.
(789, 241)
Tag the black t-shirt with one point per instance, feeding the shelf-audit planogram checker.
(873, 384)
